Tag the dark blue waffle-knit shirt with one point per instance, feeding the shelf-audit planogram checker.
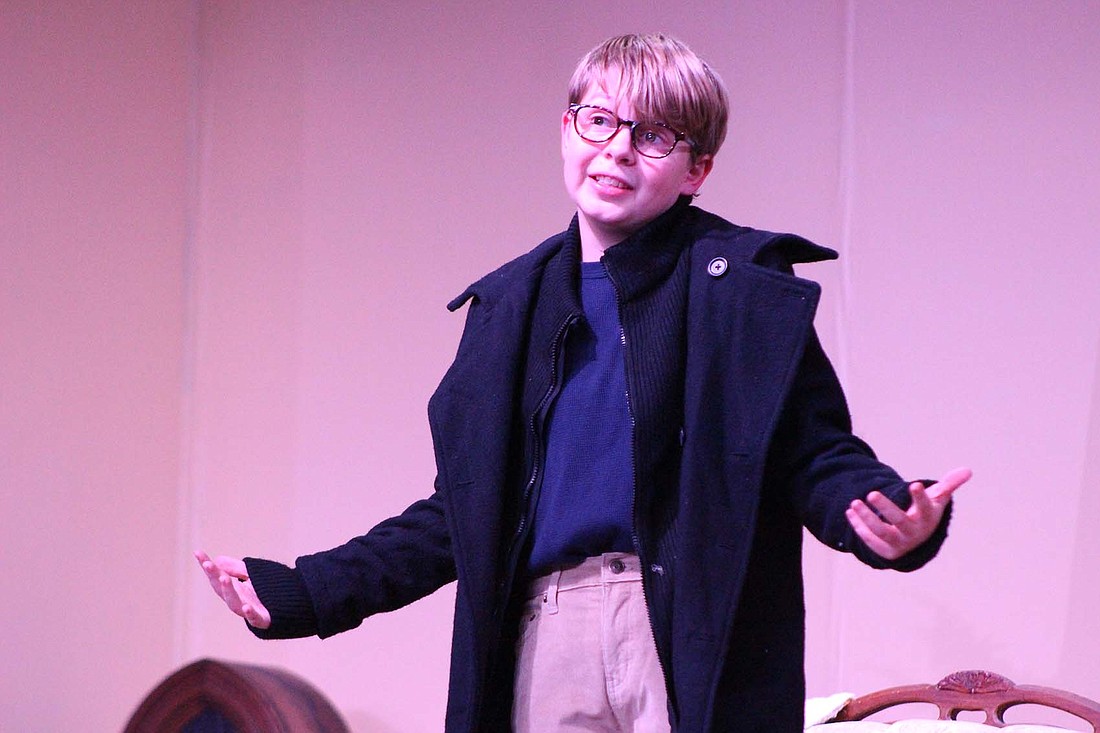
(585, 503)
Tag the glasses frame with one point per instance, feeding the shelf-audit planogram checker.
(680, 136)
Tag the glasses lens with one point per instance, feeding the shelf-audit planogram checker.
(655, 141)
(595, 124)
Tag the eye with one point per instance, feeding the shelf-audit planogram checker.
(598, 119)
(658, 135)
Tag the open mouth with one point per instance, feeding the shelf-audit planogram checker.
(611, 182)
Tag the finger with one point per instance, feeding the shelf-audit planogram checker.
(867, 516)
(876, 524)
(924, 515)
(888, 510)
(219, 565)
(229, 594)
(922, 505)
(212, 572)
(206, 564)
(861, 521)
(232, 566)
(946, 486)
(258, 617)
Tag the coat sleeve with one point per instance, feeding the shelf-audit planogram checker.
(825, 466)
(399, 561)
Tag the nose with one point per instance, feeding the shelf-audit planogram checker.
(620, 146)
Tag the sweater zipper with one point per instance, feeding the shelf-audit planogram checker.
(538, 422)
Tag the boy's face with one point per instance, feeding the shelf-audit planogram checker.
(618, 191)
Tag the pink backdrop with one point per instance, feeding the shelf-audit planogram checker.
(228, 230)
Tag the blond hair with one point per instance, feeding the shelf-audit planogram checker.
(664, 81)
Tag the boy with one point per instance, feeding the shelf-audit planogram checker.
(637, 425)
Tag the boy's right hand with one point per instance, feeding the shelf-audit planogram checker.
(228, 576)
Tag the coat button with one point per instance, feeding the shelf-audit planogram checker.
(616, 566)
(717, 267)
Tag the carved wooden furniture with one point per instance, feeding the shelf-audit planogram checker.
(210, 696)
(974, 690)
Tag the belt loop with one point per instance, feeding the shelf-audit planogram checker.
(550, 597)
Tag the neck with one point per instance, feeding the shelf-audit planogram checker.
(595, 242)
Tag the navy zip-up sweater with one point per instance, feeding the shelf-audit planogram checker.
(742, 437)
(586, 501)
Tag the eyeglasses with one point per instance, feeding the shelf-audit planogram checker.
(651, 139)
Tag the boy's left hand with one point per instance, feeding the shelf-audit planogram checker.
(891, 532)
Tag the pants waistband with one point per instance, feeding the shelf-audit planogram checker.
(610, 567)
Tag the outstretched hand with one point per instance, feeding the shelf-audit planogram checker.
(228, 576)
(891, 532)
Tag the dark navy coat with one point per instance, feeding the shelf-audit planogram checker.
(766, 448)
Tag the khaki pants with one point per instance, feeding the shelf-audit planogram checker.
(586, 660)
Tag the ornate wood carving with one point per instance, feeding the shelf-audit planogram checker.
(976, 691)
(975, 682)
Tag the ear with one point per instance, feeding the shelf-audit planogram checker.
(566, 125)
(696, 174)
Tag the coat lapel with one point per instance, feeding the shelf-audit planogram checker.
(746, 332)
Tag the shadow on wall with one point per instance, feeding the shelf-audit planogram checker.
(1078, 660)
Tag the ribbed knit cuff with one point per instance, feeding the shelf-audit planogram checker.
(918, 557)
(284, 594)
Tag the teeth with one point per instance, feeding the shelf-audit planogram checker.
(609, 181)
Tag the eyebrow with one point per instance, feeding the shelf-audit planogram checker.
(653, 120)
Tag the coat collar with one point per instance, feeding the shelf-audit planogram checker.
(648, 257)
(637, 263)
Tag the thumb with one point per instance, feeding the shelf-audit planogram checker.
(949, 483)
